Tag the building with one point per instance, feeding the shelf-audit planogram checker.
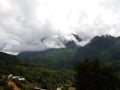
(59, 88)
(35, 88)
(19, 78)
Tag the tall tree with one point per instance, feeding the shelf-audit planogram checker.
(90, 75)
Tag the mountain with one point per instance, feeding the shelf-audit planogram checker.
(51, 58)
(9, 59)
(56, 64)
(106, 48)
(54, 58)
(77, 37)
(98, 45)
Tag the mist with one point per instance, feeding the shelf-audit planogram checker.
(34, 25)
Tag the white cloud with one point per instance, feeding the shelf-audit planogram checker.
(24, 23)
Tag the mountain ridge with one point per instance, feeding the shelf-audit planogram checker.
(104, 46)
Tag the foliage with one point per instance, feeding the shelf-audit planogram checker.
(90, 75)
(52, 58)
(106, 48)
(24, 85)
(41, 77)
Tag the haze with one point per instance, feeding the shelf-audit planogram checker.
(24, 23)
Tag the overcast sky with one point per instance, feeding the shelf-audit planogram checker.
(25, 23)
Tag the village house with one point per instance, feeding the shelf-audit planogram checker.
(19, 78)
(59, 88)
(35, 88)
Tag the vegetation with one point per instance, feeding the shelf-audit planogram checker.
(41, 77)
(105, 48)
(52, 58)
(35, 76)
(90, 75)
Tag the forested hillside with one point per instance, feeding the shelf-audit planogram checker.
(52, 58)
(34, 76)
(106, 48)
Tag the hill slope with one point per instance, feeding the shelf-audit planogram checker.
(9, 59)
(54, 58)
(99, 46)
(106, 48)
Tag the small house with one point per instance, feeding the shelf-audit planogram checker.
(10, 76)
(59, 88)
(35, 88)
(19, 78)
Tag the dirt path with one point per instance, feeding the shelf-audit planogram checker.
(11, 83)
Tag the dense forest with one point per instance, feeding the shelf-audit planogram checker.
(36, 76)
(91, 75)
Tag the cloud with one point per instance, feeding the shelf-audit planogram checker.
(24, 24)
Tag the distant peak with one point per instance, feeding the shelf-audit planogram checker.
(77, 37)
(103, 37)
(70, 44)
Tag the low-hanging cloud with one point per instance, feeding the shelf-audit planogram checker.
(32, 25)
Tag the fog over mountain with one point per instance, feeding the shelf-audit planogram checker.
(33, 25)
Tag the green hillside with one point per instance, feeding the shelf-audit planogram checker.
(105, 48)
(52, 58)
(34, 76)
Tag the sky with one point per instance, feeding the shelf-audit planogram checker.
(33, 25)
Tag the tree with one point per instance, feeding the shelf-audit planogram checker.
(90, 75)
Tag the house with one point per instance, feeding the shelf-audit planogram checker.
(59, 88)
(35, 88)
(19, 78)
(10, 76)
